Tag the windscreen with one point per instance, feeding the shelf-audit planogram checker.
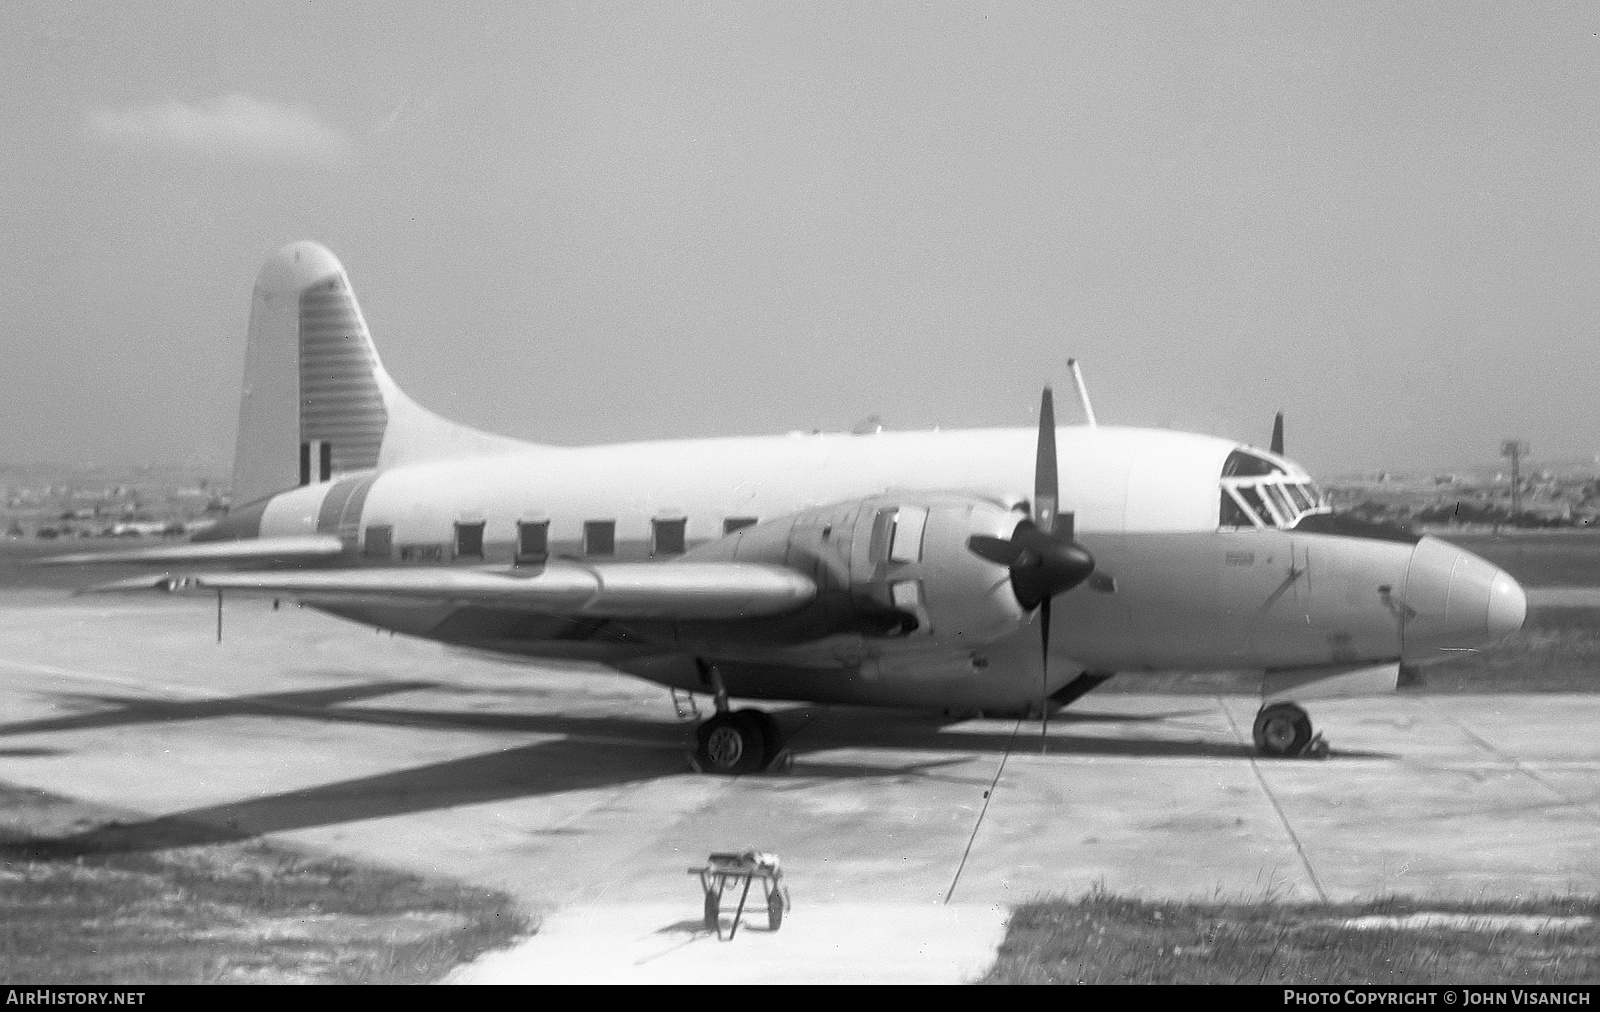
(1258, 492)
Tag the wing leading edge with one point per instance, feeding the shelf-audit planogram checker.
(300, 548)
(671, 591)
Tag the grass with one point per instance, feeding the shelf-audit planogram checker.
(1557, 650)
(1104, 939)
(226, 913)
(1558, 558)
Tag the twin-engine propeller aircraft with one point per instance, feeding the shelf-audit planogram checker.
(904, 569)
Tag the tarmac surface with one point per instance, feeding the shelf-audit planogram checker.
(905, 840)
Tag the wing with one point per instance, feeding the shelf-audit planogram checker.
(674, 591)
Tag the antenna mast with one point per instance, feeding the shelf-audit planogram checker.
(1083, 393)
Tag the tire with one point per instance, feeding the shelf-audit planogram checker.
(756, 724)
(1282, 730)
(731, 743)
(713, 910)
(771, 734)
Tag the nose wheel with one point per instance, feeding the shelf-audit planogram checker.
(1283, 730)
(741, 741)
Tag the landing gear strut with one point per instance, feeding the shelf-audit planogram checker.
(1283, 730)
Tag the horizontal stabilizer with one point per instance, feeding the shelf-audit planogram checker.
(675, 591)
(301, 547)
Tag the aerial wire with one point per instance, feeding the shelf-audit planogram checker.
(988, 796)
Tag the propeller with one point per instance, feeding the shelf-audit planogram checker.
(1042, 555)
(1277, 434)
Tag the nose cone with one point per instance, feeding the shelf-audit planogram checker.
(1456, 601)
(1508, 606)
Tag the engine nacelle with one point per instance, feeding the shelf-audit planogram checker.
(892, 565)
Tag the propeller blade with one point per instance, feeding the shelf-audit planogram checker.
(999, 551)
(1277, 434)
(1041, 554)
(1046, 489)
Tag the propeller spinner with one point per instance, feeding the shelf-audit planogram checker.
(1041, 553)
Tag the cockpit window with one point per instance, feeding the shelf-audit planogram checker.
(1279, 498)
(1233, 515)
(1261, 493)
(1252, 502)
(1247, 465)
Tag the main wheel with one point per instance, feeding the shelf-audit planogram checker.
(731, 743)
(1282, 729)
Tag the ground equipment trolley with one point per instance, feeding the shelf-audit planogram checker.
(725, 871)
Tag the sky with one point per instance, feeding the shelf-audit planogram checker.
(585, 223)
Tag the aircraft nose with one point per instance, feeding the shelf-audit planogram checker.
(1456, 601)
(1508, 606)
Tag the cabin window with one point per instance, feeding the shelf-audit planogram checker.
(1233, 515)
(533, 540)
(906, 544)
(667, 537)
(737, 524)
(379, 540)
(599, 537)
(469, 540)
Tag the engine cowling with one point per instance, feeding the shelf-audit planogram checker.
(893, 565)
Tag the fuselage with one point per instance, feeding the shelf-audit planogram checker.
(1187, 580)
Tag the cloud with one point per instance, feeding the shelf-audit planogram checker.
(233, 126)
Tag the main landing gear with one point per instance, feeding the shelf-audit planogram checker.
(1283, 730)
(741, 741)
(736, 741)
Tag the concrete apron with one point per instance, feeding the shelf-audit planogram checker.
(828, 943)
(904, 839)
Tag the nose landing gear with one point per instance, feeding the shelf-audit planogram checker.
(1283, 730)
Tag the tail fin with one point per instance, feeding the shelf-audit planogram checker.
(316, 401)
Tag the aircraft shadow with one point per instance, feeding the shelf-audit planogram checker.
(144, 709)
(542, 768)
(583, 753)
